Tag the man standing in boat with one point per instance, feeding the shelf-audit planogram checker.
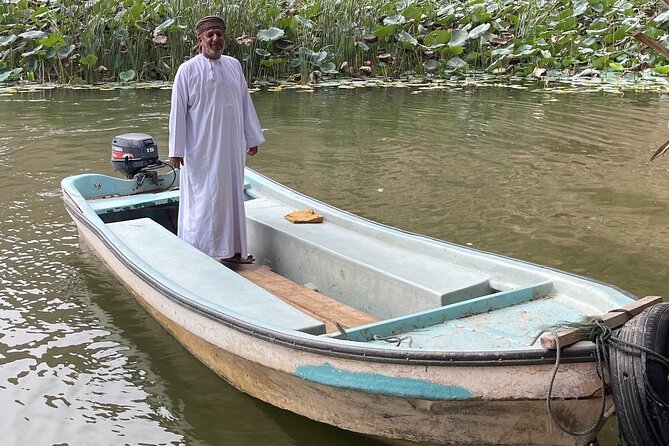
(213, 126)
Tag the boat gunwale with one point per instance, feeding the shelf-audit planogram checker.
(326, 346)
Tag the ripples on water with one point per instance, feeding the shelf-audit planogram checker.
(65, 377)
(562, 180)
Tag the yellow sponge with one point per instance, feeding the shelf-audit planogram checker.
(306, 216)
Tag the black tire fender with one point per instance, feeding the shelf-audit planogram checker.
(639, 381)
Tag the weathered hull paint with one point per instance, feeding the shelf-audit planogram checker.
(378, 383)
(500, 406)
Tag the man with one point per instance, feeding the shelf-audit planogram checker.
(213, 126)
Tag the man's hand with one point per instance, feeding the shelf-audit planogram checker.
(251, 151)
(176, 162)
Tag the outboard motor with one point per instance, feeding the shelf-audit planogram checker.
(135, 155)
(132, 152)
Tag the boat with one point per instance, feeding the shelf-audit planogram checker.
(356, 324)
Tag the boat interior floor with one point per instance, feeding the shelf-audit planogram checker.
(269, 297)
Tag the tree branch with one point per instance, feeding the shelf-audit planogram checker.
(641, 37)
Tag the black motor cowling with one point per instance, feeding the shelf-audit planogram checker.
(131, 152)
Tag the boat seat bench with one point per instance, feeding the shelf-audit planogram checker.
(209, 282)
(362, 271)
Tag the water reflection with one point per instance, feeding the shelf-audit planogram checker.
(561, 180)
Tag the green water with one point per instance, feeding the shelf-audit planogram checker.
(561, 180)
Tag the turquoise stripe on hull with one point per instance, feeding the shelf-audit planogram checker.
(380, 384)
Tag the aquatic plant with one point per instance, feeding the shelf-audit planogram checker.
(70, 41)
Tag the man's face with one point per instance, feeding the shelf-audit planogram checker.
(211, 43)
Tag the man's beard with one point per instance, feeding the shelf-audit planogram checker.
(213, 50)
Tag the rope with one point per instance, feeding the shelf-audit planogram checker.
(397, 340)
(641, 350)
(174, 174)
(602, 336)
(394, 339)
(549, 409)
(628, 313)
(147, 171)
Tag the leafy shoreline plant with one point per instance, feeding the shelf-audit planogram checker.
(93, 41)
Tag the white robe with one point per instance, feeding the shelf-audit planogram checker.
(212, 124)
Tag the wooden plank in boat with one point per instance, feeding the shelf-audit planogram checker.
(612, 319)
(313, 303)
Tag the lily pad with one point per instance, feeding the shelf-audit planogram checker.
(30, 35)
(34, 51)
(431, 65)
(329, 68)
(127, 76)
(580, 7)
(319, 56)
(502, 51)
(407, 38)
(284, 44)
(163, 26)
(589, 41)
(455, 63)
(385, 31)
(661, 18)
(64, 51)
(362, 45)
(438, 37)
(458, 37)
(403, 4)
(304, 22)
(31, 64)
(446, 11)
(90, 59)
(526, 50)
(413, 13)
(271, 34)
(397, 19)
(6, 40)
(8, 74)
(479, 31)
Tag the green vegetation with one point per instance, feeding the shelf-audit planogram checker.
(141, 40)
